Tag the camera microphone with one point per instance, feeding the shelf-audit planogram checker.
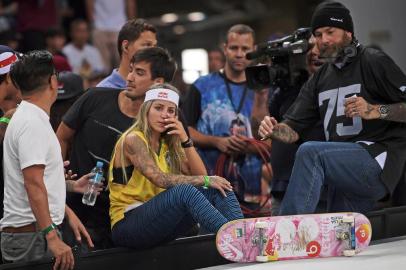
(285, 48)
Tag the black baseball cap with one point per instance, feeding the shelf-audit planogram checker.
(69, 85)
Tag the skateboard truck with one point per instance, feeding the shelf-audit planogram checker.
(348, 234)
(261, 240)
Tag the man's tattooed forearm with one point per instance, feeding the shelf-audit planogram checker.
(396, 112)
(284, 133)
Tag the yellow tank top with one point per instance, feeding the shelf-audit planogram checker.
(138, 189)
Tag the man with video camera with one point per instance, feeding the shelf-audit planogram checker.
(276, 102)
(359, 95)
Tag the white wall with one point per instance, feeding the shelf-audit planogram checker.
(381, 22)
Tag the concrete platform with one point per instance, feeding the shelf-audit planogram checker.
(387, 255)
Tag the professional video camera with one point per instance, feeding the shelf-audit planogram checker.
(288, 62)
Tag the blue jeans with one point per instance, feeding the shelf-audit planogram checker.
(349, 171)
(173, 212)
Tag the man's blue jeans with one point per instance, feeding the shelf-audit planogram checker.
(349, 171)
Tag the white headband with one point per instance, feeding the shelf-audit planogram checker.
(162, 94)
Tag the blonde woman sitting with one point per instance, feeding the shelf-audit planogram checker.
(158, 183)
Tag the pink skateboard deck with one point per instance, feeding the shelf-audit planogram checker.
(294, 237)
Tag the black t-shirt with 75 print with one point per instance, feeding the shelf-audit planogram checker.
(373, 75)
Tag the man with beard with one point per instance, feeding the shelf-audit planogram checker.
(217, 103)
(359, 95)
(90, 128)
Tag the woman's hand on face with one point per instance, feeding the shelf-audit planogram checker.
(175, 127)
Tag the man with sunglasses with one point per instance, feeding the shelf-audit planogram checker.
(34, 180)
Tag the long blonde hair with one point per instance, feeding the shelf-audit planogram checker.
(176, 154)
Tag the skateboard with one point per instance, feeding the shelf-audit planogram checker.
(275, 238)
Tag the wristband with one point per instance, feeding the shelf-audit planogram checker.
(48, 229)
(188, 143)
(206, 182)
(4, 120)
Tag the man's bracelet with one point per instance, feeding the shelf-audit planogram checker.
(186, 144)
(5, 120)
(48, 229)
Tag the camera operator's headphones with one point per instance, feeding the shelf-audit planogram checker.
(350, 51)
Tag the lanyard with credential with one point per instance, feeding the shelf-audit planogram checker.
(236, 110)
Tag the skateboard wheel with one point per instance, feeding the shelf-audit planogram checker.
(348, 219)
(261, 225)
(349, 252)
(261, 258)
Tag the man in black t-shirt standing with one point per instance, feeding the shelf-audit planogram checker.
(92, 125)
(360, 97)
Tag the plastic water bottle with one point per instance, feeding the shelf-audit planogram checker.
(89, 198)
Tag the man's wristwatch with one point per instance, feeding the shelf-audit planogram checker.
(383, 111)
